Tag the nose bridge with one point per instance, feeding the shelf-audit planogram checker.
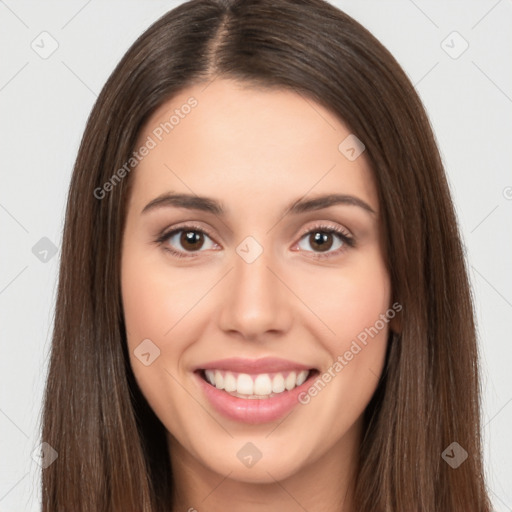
(254, 301)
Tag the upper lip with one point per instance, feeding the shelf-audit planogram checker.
(262, 365)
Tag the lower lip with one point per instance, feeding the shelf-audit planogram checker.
(255, 411)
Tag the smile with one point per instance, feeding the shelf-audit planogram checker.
(253, 391)
(255, 386)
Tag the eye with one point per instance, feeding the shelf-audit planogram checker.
(186, 239)
(326, 241)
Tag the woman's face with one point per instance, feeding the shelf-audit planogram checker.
(251, 289)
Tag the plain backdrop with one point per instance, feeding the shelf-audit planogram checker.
(458, 55)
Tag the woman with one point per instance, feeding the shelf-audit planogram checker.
(263, 302)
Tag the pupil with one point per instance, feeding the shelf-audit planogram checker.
(321, 239)
(190, 238)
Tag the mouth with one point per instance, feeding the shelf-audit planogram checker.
(256, 386)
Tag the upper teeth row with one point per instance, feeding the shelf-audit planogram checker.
(261, 384)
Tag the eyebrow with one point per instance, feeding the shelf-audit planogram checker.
(210, 205)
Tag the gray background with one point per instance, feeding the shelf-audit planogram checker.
(44, 105)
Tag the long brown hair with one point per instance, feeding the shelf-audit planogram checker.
(112, 452)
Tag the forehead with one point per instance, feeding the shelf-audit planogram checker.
(232, 139)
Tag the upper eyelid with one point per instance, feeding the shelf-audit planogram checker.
(325, 225)
(190, 226)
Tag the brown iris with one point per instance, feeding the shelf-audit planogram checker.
(322, 240)
(191, 240)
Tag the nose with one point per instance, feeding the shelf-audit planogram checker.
(255, 301)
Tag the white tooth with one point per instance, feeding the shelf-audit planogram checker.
(210, 376)
(263, 385)
(229, 382)
(219, 380)
(244, 384)
(290, 381)
(301, 377)
(278, 383)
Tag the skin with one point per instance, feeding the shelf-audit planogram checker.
(256, 151)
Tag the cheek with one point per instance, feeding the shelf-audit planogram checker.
(345, 386)
(155, 306)
(350, 301)
(356, 308)
(152, 311)
(363, 300)
(362, 325)
(145, 302)
(155, 300)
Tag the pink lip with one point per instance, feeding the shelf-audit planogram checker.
(254, 411)
(263, 365)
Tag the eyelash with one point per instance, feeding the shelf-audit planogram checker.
(346, 239)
